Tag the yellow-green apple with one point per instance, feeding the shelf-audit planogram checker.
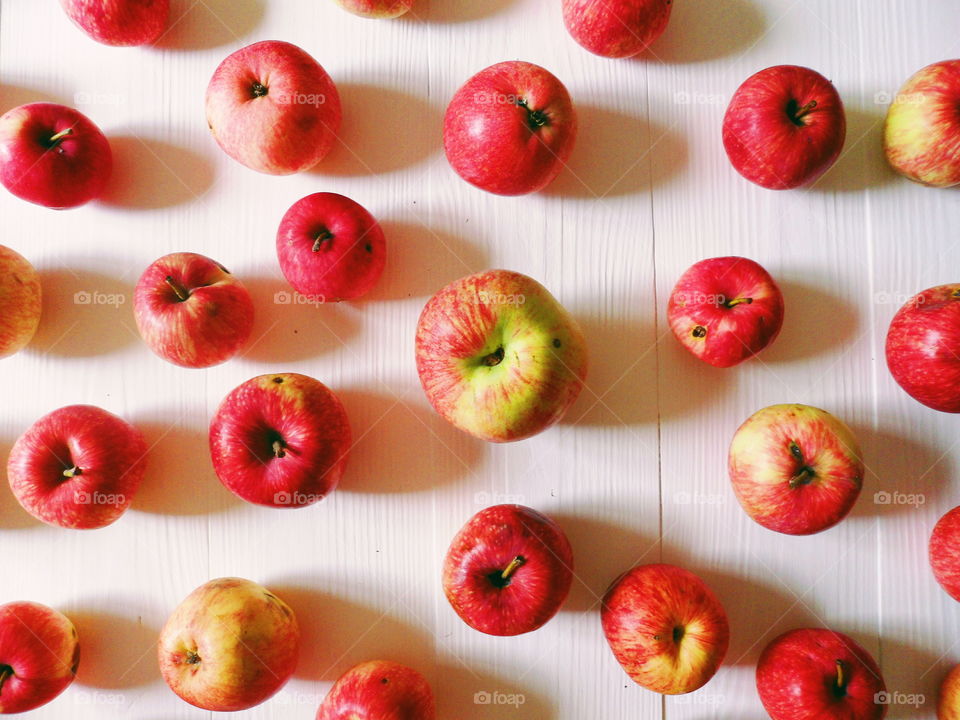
(725, 310)
(379, 690)
(510, 128)
(795, 469)
(39, 655)
(944, 552)
(666, 628)
(119, 22)
(77, 467)
(498, 356)
(508, 570)
(330, 247)
(376, 8)
(230, 645)
(818, 674)
(616, 28)
(191, 311)
(921, 135)
(19, 301)
(53, 155)
(948, 697)
(785, 127)
(273, 108)
(280, 440)
(923, 347)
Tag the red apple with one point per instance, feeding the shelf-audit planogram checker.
(923, 348)
(944, 553)
(817, 674)
(39, 654)
(616, 28)
(666, 628)
(725, 310)
(948, 698)
(53, 155)
(795, 469)
(19, 301)
(785, 127)
(510, 129)
(376, 8)
(280, 440)
(191, 311)
(119, 22)
(330, 247)
(508, 570)
(77, 467)
(273, 108)
(379, 690)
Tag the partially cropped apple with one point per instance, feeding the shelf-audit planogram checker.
(19, 301)
(616, 28)
(376, 8)
(948, 697)
(944, 552)
(379, 690)
(119, 22)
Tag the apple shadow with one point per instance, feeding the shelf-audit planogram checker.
(910, 670)
(12, 515)
(460, 691)
(862, 163)
(703, 31)
(116, 652)
(209, 24)
(454, 11)
(12, 96)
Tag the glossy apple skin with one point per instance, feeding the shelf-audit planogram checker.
(280, 440)
(666, 628)
(60, 174)
(230, 645)
(288, 128)
(376, 8)
(795, 469)
(208, 327)
(616, 28)
(767, 140)
(379, 690)
(921, 134)
(510, 129)
(330, 247)
(109, 452)
(725, 310)
(944, 552)
(485, 548)
(544, 356)
(948, 697)
(923, 344)
(19, 301)
(119, 22)
(797, 674)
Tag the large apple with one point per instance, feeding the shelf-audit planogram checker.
(508, 570)
(53, 155)
(119, 22)
(666, 628)
(498, 356)
(330, 247)
(948, 697)
(795, 469)
(376, 8)
(230, 645)
(817, 674)
(510, 129)
(39, 655)
(921, 135)
(191, 311)
(944, 552)
(77, 467)
(280, 440)
(19, 301)
(379, 690)
(725, 310)
(273, 108)
(923, 347)
(785, 127)
(616, 28)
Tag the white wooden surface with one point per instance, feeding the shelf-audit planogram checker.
(637, 472)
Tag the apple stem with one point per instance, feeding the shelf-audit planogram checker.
(60, 136)
(278, 448)
(321, 238)
(494, 358)
(6, 672)
(737, 301)
(180, 290)
(72, 472)
(512, 567)
(535, 118)
(800, 113)
(841, 678)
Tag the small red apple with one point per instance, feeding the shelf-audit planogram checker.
(944, 552)
(379, 690)
(19, 301)
(119, 22)
(616, 28)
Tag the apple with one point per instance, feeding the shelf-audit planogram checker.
(948, 698)
(379, 690)
(53, 155)
(817, 674)
(944, 552)
(77, 467)
(921, 134)
(616, 28)
(376, 8)
(666, 628)
(508, 570)
(280, 440)
(191, 311)
(119, 22)
(19, 301)
(795, 469)
(923, 347)
(725, 310)
(273, 108)
(330, 247)
(785, 127)
(230, 645)
(510, 129)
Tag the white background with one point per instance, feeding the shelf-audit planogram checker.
(636, 472)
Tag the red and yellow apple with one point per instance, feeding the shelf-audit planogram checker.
(379, 690)
(19, 301)
(616, 28)
(948, 697)
(944, 552)
(119, 22)
(376, 8)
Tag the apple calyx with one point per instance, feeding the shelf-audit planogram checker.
(72, 472)
(737, 301)
(323, 236)
(502, 579)
(279, 448)
(494, 358)
(6, 672)
(805, 474)
(259, 89)
(536, 119)
(192, 657)
(840, 688)
(699, 331)
(182, 293)
(797, 113)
